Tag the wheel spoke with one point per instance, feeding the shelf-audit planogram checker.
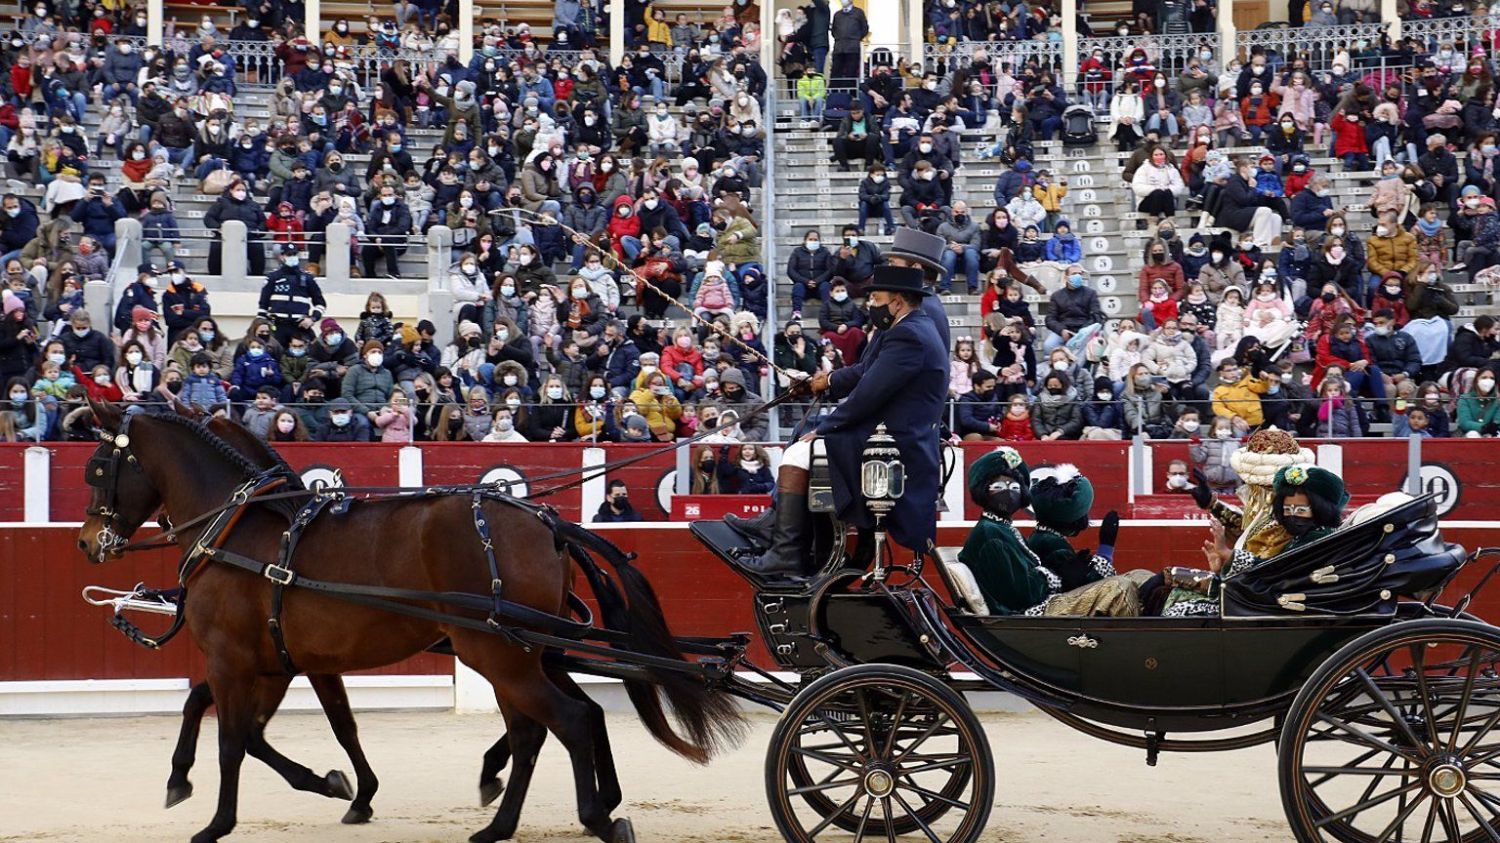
(939, 765)
(1431, 823)
(864, 717)
(1358, 771)
(1463, 700)
(1489, 830)
(890, 819)
(842, 737)
(1449, 819)
(1485, 797)
(1367, 804)
(1366, 738)
(931, 795)
(833, 815)
(828, 759)
(890, 741)
(930, 731)
(1400, 821)
(1390, 709)
(822, 786)
(1429, 720)
(1363, 757)
(915, 818)
(864, 819)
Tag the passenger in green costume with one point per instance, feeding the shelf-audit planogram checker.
(1061, 498)
(1011, 576)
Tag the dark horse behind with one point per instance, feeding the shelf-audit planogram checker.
(423, 544)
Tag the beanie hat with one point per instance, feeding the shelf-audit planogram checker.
(13, 302)
(328, 326)
(732, 375)
(140, 312)
(370, 345)
(1001, 462)
(408, 335)
(1061, 498)
(1314, 482)
(468, 329)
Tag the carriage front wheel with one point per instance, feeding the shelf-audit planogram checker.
(1394, 739)
(876, 750)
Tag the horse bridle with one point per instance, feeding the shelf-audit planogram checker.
(102, 472)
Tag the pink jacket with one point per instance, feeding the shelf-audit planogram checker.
(1297, 102)
(395, 426)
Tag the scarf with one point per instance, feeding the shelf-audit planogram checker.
(1429, 230)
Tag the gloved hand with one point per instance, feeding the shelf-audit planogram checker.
(1490, 429)
(1109, 531)
(1075, 571)
(1202, 494)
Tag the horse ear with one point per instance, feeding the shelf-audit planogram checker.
(185, 411)
(106, 414)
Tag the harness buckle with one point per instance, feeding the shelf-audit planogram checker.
(279, 575)
(495, 585)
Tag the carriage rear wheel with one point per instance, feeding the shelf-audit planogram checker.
(873, 751)
(1394, 739)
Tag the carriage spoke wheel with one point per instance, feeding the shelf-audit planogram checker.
(873, 752)
(1395, 739)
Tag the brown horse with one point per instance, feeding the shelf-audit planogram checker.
(423, 543)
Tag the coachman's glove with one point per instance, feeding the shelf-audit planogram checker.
(1109, 531)
(1202, 494)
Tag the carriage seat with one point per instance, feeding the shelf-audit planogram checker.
(961, 583)
(819, 483)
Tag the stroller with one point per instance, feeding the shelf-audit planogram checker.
(1078, 126)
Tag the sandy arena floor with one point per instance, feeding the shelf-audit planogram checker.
(103, 780)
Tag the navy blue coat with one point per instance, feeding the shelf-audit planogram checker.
(904, 384)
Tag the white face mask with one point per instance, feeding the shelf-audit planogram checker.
(555, 393)
(1486, 384)
(840, 295)
(375, 359)
(133, 357)
(1060, 365)
(285, 425)
(509, 380)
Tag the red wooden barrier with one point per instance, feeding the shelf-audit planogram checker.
(12, 484)
(48, 632)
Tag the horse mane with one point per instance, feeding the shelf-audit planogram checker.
(231, 454)
(252, 446)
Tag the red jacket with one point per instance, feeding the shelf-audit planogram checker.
(95, 391)
(622, 226)
(1326, 358)
(1295, 183)
(286, 229)
(1397, 306)
(20, 80)
(1013, 429)
(1349, 138)
(673, 356)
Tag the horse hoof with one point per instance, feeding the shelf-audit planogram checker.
(177, 793)
(357, 815)
(338, 785)
(490, 791)
(621, 832)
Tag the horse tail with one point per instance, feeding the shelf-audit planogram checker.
(708, 719)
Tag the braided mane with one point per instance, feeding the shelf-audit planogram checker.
(224, 449)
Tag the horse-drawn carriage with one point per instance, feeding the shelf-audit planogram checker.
(1382, 701)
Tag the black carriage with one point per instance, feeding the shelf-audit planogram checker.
(1380, 699)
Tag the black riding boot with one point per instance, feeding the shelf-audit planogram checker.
(757, 529)
(787, 556)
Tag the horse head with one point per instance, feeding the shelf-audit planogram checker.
(122, 497)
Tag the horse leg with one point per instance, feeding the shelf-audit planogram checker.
(198, 701)
(234, 694)
(269, 691)
(568, 718)
(495, 759)
(335, 700)
(525, 737)
(604, 756)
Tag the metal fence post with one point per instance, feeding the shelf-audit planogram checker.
(234, 239)
(128, 242)
(439, 254)
(336, 256)
(1414, 465)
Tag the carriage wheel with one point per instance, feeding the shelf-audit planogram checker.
(872, 751)
(1395, 739)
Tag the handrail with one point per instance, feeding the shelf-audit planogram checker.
(768, 230)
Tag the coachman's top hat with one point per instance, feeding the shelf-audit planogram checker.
(897, 279)
(919, 246)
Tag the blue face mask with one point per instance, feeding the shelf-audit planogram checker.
(257, 353)
(1075, 281)
(297, 352)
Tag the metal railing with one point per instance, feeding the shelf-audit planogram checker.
(1433, 32)
(1319, 44)
(1047, 54)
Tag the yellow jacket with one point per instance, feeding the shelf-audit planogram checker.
(1241, 398)
(658, 31)
(661, 412)
(1050, 196)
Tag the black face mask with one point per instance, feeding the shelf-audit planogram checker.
(1297, 525)
(1328, 298)
(881, 316)
(1005, 501)
(174, 387)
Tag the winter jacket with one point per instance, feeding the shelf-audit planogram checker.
(1062, 416)
(1175, 361)
(1396, 253)
(367, 389)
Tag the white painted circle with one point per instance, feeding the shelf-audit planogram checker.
(1087, 196)
(666, 487)
(1099, 244)
(1076, 152)
(1082, 167)
(1438, 480)
(1084, 181)
(1092, 211)
(509, 481)
(1110, 304)
(1106, 284)
(1094, 226)
(321, 477)
(1104, 263)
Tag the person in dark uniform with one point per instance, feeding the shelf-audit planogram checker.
(903, 385)
(910, 248)
(291, 298)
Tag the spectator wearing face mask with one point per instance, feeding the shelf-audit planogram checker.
(1072, 308)
(236, 204)
(343, 424)
(1057, 414)
(368, 384)
(616, 508)
(1236, 399)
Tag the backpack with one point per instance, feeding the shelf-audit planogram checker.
(1078, 126)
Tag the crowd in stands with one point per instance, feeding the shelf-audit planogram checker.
(593, 208)
(1279, 303)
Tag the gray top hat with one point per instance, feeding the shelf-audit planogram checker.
(926, 249)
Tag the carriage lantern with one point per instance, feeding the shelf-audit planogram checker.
(882, 481)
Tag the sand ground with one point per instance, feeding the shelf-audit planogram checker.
(103, 780)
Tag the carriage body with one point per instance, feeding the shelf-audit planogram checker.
(1335, 632)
